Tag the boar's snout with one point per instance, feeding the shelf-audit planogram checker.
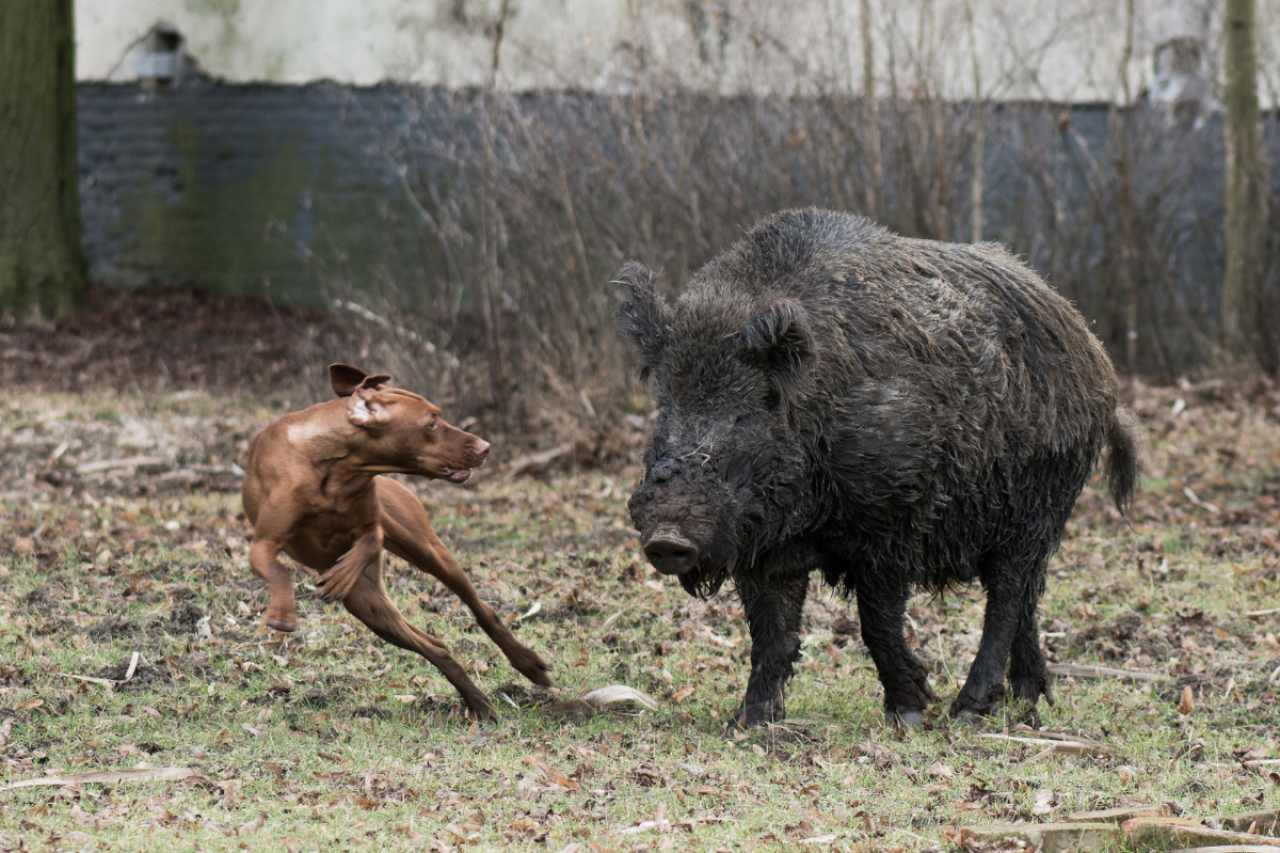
(670, 552)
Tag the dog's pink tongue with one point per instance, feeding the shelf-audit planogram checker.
(460, 476)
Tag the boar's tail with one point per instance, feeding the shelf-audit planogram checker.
(1122, 463)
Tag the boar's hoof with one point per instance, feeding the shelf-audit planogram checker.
(670, 552)
(907, 718)
(758, 714)
(965, 717)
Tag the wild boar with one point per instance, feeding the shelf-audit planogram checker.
(893, 413)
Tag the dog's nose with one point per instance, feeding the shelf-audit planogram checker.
(670, 552)
(481, 448)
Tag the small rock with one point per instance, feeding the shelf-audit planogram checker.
(1083, 837)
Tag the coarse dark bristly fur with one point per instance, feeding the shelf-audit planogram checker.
(894, 413)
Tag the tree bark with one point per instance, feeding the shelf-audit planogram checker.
(1245, 202)
(42, 268)
(1126, 165)
(871, 119)
(980, 127)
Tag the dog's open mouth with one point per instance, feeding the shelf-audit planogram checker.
(457, 475)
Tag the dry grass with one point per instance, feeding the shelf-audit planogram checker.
(328, 739)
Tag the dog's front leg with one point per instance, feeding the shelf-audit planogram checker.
(282, 613)
(337, 583)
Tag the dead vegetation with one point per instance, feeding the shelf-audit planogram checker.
(130, 643)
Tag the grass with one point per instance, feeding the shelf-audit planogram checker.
(330, 740)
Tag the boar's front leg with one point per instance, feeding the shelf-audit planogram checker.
(773, 605)
(881, 607)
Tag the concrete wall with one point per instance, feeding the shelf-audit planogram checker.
(274, 190)
(232, 187)
(1024, 49)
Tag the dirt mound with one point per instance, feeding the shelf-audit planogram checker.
(184, 616)
(145, 675)
(41, 600)
(164, 338)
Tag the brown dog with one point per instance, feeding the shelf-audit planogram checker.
(311, 490)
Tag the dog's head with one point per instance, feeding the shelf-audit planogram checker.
(398, 431)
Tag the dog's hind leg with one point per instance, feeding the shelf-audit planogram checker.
(409, 535)
(367, 601)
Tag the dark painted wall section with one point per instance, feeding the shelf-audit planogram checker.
(276, 190)
(236, 188)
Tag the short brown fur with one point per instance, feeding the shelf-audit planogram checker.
(311, 490)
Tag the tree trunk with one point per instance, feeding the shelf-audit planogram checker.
(1126, 165)
(41, 265)
(871, 119)
(979, 130)
(1240, 312)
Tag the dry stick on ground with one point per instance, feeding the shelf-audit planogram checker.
(155, 774)
(1073, 670)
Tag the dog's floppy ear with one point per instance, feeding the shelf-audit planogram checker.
(366, 409)
(345, 379)
(643, 315)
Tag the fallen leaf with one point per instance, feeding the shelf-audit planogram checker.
(252, 826)
(1044, 802)
(1186, 703)
(683, 693)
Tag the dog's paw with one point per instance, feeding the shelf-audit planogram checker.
(480, 710)
(334, 585)
(278, 623)
(534, 668)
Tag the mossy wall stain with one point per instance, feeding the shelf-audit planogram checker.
(235, 194)
(229, 236)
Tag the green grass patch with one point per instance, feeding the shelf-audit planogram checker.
(329, 739)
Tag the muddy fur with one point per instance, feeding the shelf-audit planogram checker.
(893, 413)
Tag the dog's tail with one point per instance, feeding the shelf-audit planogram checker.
(1122, 467)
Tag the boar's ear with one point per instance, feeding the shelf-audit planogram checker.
(780, 338)
(643, 315)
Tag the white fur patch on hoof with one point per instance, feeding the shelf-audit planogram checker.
(907, 718)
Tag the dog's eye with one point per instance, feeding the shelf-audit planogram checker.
(431, 427)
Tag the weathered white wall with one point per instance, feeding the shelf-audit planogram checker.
(1026, 48)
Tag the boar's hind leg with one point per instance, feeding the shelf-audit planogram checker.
(1009, 624)
(1028, 675)
(906, 681)
(773, 607)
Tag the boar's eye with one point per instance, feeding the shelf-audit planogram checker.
(735, 469)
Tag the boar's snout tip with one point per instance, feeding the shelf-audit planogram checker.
(670, 552)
